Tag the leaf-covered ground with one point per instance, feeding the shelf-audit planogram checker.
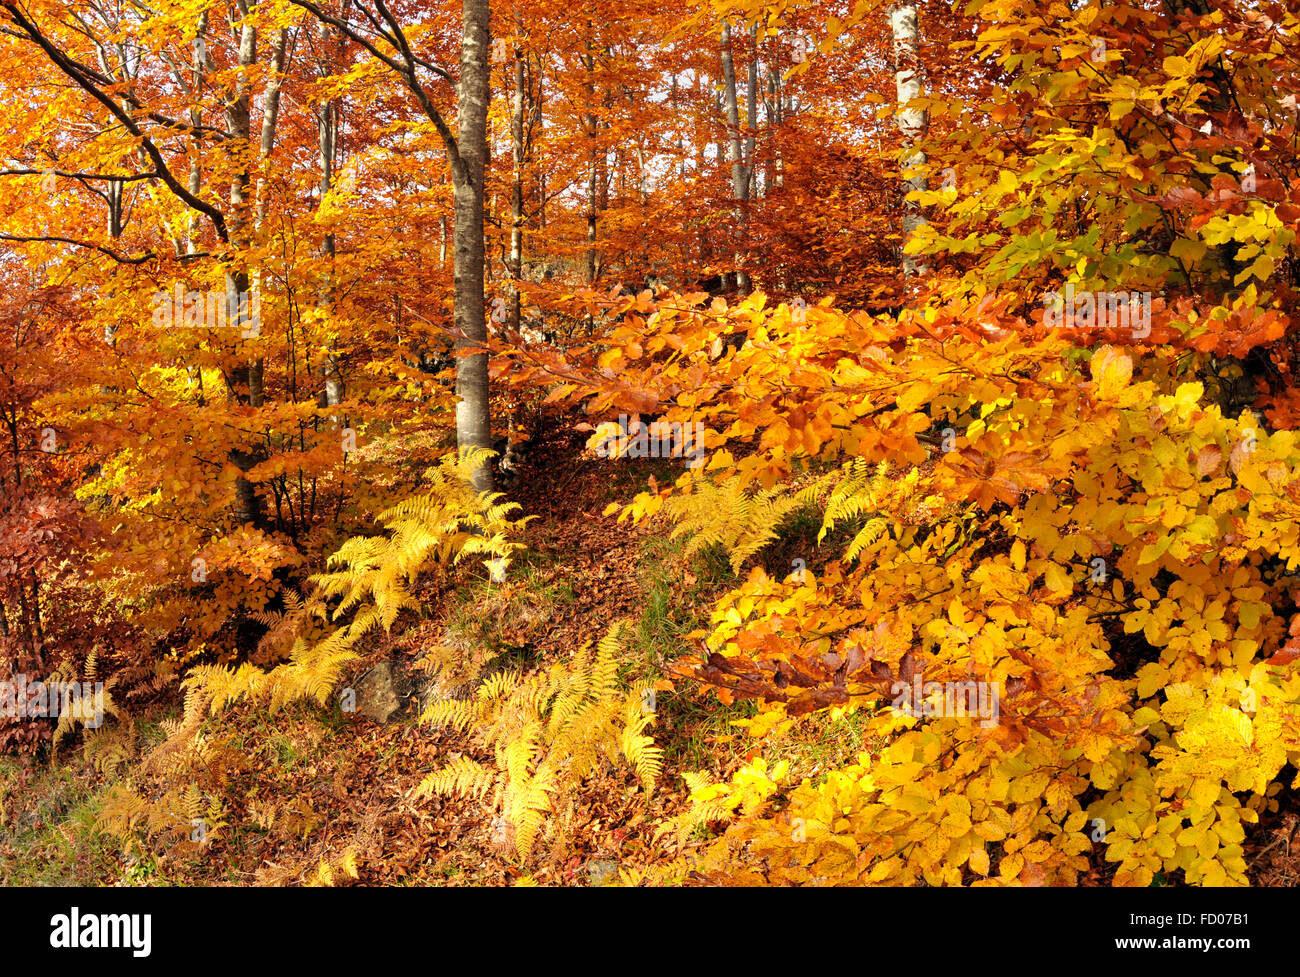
(311, 786)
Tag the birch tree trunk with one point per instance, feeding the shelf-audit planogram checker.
(909, 81)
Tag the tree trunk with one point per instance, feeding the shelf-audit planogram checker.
(245, 380)
(327, 135)
(473, 429)
(735, 152)
(751, 138)
(270, 116)
(592, 199)
(202, 65)
(517, 190)
(467, 157)
(909, 81)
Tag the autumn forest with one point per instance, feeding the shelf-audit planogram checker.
(639, 444)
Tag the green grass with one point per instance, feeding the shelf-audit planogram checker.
(826, 744)
(47, 829)
(489, 618)
(671, 607)
(687, 728)
(286, 751)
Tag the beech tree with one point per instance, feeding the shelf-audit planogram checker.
(1005, 479)
(466, 155)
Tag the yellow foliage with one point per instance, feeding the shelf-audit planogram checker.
(443, 524)
(329, 870)
(741, 522)
(547, 732)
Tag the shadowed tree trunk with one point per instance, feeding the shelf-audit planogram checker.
(740, 173)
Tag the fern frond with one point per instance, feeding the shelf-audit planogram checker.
(461, 776)
(547, 731)
(730, 517)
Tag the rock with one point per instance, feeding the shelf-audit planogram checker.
(602, 870)
(381, 691)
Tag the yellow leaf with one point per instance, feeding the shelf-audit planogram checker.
(955, 825)
(1058, 581)
(1111, 371)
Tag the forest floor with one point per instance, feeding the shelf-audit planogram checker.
(318, 786)
(351, 782)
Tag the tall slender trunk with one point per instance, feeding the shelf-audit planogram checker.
(751, 138)
(327, 136)
(592, 199)
(473, 429)
(772, 169)
(270, 116)
(909, 81)
(245, 379)
(517, 189)
(535, 120)
(735, 151)
(681, 145)
(732, 110)
(266, 144)
(202, 63)
(467, 152)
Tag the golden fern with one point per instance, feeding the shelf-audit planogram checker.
(370, 577)
(547, 732)
(178, 812)
(461, 776)
(730, 517)
(89, 710)
(328, 871)
(859, 490)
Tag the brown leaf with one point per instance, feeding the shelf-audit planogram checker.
(1287, 654)
(854, 658)
(1208, 459)
(1033, 875)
